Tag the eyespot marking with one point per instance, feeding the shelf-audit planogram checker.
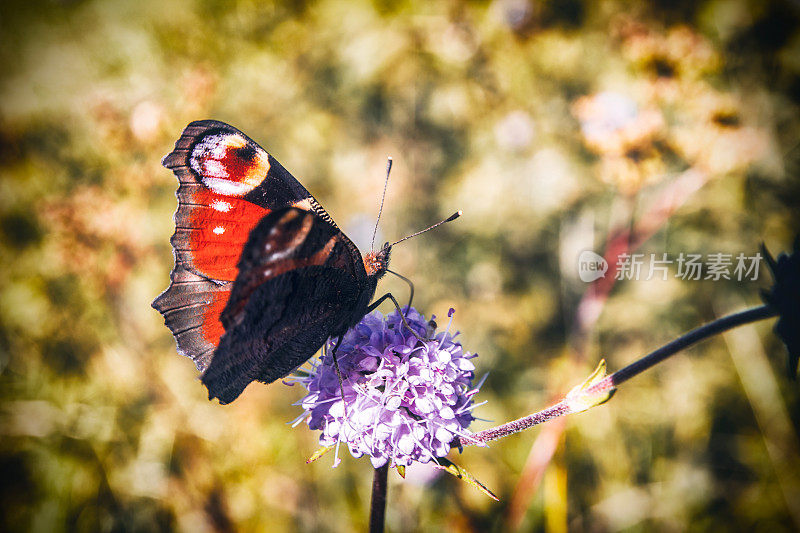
(229, 165)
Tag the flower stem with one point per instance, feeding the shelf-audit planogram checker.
(516, 426)
(377, 511)
(684, 341)
(611, 381)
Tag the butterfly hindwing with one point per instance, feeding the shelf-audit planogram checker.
(227, 184)
(300, 280)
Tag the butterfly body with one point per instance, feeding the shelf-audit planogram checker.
(263, 276)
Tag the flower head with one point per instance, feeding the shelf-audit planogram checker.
(404, 399)
(784, 297)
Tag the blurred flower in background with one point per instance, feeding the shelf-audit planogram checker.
(614, 127)
(515, 131)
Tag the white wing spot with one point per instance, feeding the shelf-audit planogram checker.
(219, 230)
(221, 206)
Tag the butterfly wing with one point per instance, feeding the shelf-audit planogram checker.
(227, 184)
(300, 281)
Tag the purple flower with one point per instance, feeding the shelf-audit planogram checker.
(405, 400)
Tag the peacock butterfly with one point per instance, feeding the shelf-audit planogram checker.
(263, 276)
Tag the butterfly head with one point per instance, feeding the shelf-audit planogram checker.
(376, 263)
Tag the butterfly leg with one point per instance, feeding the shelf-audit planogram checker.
(339, 372)
(410, 286)
(391, 297)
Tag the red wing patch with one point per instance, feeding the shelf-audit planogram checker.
(211, 230)
(212, 328)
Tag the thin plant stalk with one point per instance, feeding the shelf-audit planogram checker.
(608, 383)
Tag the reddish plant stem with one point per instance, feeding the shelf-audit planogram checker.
(627, 240)
(516, 426)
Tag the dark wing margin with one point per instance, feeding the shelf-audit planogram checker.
(191, 307)
(297, 284)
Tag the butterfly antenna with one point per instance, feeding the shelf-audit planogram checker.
(383, 197)
(448, 219)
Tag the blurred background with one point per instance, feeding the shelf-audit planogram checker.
(557, 126)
